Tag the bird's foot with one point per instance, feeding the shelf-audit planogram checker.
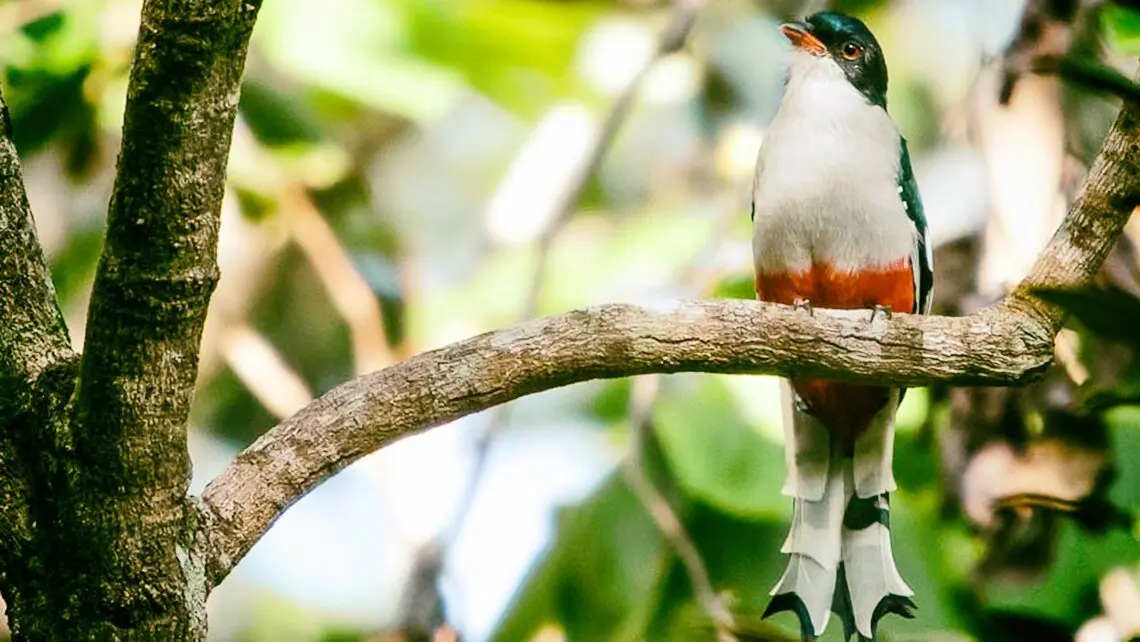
(804, 306)
(883, 312)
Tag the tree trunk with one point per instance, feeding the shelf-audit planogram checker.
(103, 538)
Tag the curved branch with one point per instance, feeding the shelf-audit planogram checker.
(1009, 344)
(997, 346)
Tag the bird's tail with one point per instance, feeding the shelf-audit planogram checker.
(839, 546)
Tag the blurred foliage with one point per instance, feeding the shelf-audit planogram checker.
(717, 463)
(398, 120)
(1122, 23)
(732, 508)
(1109, 312)
(515, 52)
(49, 61)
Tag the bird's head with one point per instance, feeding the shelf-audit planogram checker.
(830, 38)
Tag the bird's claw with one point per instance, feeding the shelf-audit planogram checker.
(881, 310)
(804, 306)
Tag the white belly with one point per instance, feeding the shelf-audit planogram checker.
(826, 186)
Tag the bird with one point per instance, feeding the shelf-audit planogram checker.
(838, 223)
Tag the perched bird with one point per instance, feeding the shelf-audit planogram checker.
(838, 223)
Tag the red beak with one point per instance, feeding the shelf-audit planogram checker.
(803, 39)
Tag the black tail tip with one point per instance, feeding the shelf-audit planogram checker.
(791, 602)
(899, 605)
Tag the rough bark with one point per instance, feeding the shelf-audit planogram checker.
(33, 337)
(1000, 347)
(120, 560)
(37, 369)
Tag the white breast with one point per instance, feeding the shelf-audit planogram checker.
(826, 187)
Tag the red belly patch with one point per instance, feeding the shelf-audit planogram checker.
(827, 287)
(845, 409)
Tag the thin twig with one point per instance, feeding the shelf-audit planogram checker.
(643, 397)
(349, 292)
(684, 16)
(642, 400)
(1088, 74)
(263, 371)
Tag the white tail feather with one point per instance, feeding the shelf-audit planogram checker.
(814, 584)
(814, 531)
(870, 571)
(807, 450)
(875, 452)
(815, 548)
(824, 483)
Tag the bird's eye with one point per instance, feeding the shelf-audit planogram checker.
(851, 51)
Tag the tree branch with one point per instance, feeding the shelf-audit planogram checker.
(33, 336)
(129, 474)
(996, 346)
(37, 372)
(1008, 344)
(1089, 74)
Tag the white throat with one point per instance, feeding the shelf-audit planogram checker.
(826, 187)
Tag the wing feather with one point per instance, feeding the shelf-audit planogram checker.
(922, 259)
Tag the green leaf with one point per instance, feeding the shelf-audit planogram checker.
(935, 557)
(916, 463)
(355, 49)
(736, 287)
(1081, 560)
(611, 404)
(47, 64)
(1122, 25)
(276, 117)
(743, 560)
(1110, 312)
(605, 561)
(516, 52)
(913, 410)
(73, 266)
(1124, 437)
(714, 455)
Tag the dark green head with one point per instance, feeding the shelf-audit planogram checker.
(850, 44)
